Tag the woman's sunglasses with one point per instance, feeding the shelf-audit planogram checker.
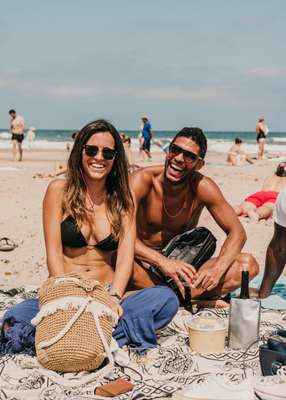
(107, 153)
(189, 156)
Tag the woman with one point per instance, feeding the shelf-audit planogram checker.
(261, 133)
(89, 228)
(260, 204)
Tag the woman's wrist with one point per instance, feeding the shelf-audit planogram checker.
(115, 296)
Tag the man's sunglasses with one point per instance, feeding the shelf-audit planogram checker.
(189, 156)
(107, 153)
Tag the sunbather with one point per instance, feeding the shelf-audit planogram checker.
(260, 205)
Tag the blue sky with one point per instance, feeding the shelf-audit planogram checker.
(216, 64)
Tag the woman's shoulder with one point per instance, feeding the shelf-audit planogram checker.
(57, 186)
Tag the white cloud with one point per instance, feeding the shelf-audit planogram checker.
(95, 89)
(268, 72)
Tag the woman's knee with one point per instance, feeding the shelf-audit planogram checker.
(247, 261)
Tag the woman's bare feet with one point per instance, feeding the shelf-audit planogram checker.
(254, 217)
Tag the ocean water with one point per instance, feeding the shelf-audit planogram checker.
(218, 141)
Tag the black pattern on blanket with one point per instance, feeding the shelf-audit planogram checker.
(155, 375)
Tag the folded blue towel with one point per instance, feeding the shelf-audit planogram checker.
(20, 337)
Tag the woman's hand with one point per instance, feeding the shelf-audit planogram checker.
(116, 308)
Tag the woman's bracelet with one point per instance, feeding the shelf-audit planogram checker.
(116, 295)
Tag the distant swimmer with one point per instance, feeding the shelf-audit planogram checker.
(17, 126)
(261, 132)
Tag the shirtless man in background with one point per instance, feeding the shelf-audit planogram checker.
(17, 126)
(169, 201)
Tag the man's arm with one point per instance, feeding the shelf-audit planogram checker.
(224, 215)
(275, 260)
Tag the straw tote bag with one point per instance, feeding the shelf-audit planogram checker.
(74, 324)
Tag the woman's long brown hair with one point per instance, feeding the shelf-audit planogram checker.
(119, 200)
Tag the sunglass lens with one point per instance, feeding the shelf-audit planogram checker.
(108, 154)
(91, 151)
(175, 149)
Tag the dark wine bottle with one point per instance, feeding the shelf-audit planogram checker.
(244, 290)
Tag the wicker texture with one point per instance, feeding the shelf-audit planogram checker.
(81, 348)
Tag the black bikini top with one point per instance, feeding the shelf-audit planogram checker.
(72, 237)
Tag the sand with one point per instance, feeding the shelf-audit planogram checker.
(21, 208)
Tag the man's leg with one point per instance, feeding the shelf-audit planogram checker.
(14, 149)
(231, 280)
(144, 313)
(20, 150)
(142, 278)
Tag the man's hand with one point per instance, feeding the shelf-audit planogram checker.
(208, 278)
(180, 271)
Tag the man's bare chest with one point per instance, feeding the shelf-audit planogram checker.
(169, 215)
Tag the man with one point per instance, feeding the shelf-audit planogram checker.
(17, 127)
(276, 251)
(169, 201)
(147, 136)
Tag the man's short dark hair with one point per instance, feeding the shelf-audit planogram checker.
(12, 111)
(237, 140)
(197, 136)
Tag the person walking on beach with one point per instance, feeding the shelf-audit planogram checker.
(261, 133)
(17, 126)
(169, 200)
(147, 136)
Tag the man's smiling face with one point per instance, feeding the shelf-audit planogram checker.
(183, 158)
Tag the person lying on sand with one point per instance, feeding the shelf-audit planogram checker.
(260, 205)
(169, 200)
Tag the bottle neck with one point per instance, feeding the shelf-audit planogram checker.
(244, 291)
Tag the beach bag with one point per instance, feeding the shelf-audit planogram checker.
(74, 324)
(195, 247)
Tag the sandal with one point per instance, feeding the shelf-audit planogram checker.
(7, 244)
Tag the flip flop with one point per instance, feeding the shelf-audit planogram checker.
(7, 244)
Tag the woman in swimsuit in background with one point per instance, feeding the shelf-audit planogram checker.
(260, 204)
(261, 133)
(89, 228)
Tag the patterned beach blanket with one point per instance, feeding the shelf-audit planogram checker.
(155, 375)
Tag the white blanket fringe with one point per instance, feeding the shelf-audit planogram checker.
(74, 302)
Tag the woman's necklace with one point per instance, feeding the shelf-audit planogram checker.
(181, 209)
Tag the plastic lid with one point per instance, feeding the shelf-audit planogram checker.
(206, 321)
